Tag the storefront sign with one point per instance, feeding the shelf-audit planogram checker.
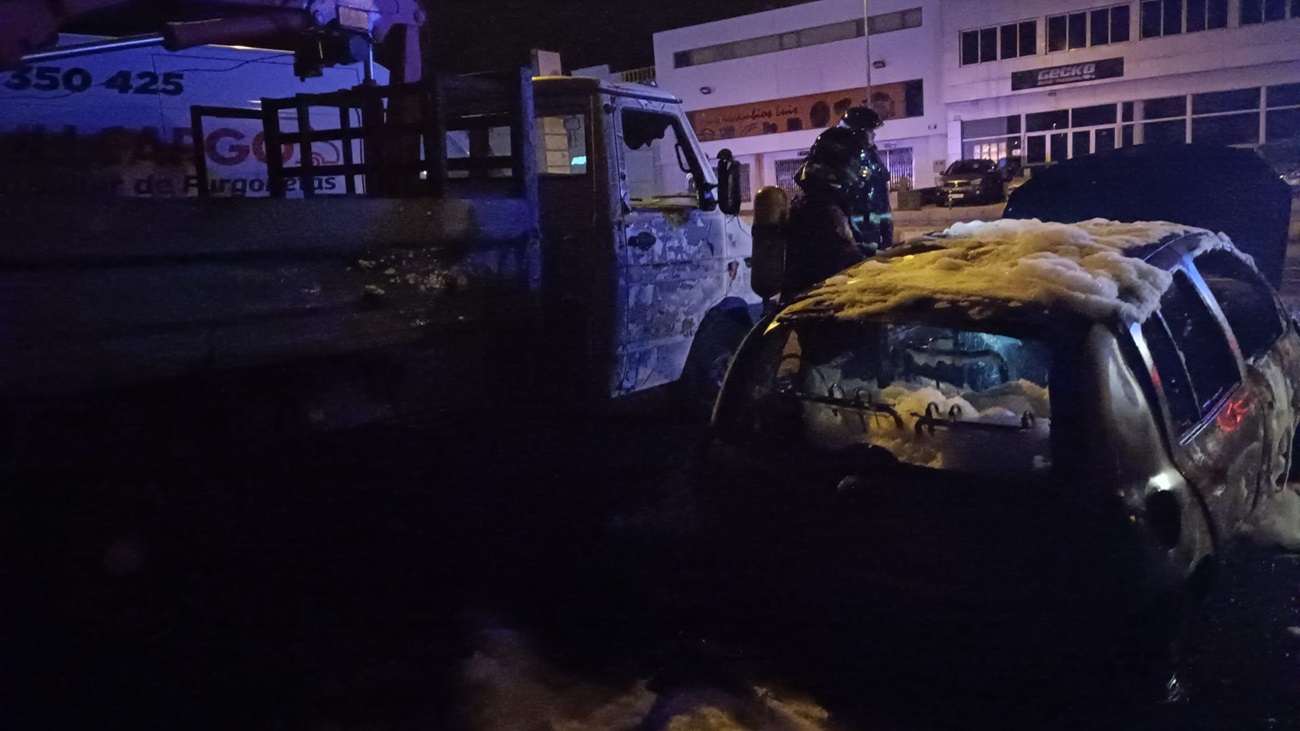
(1107, 68)
(812, 111)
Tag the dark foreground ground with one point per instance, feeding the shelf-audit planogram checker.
(388, 581)
(418, 579)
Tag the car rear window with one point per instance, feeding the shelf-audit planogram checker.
(1200, 368)
(935, 397)
(1246, 300)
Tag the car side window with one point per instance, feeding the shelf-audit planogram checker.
(1171, 373)
(1246, 301)
(1206, 352)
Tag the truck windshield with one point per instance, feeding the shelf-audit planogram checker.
(935, 397)
(651, 157)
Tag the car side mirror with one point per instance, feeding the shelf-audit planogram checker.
(728, 183)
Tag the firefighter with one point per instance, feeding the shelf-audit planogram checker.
(877, 225)
(823, 236)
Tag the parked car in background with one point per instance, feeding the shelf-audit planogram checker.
(1034, 424)
(1291, 177)
(971, 181)
(1016, 174)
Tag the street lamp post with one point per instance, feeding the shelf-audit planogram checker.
(866, 37)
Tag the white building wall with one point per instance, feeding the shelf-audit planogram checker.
(1152, 58)
(907, 54)
(1234, 57)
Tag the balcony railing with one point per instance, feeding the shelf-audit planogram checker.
(644, 75)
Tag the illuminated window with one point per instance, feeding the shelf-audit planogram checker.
(561, 144)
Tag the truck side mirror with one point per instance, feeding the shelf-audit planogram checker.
(728, 183)
(771, 213)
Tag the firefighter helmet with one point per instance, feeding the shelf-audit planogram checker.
(861, 118)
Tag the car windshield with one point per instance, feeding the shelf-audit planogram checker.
(964, 167)
(937, 397)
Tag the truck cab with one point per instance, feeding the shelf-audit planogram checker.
(566, 238)
(634, 235)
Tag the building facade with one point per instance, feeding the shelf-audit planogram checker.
(764, 85)
(1044, 81)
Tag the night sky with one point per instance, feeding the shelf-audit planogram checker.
(471, 35)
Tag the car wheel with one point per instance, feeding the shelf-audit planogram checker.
(707, 364)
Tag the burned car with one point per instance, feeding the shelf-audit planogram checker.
(1033, 422)
(971, 181)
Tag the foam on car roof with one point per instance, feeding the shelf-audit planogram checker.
(1088, 268)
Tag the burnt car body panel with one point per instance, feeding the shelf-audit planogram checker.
(1141, 496)
(1216, 188)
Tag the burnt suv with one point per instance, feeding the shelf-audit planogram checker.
(1040, 424)
(971, 181)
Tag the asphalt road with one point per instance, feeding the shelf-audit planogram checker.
(389, 582)
(391, 590)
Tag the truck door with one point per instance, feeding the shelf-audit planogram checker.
(671, 252)
(577, 263)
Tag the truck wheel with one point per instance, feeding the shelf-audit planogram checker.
(707, 364)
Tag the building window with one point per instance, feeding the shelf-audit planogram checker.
(995, 149)
(890, 22)
(1226, 129)
(1281, 125)
(815, 36)
(1282, 117)
(844, 30)
(988, 45)
(995, 127)
(1099, 27)
(899, 162)
(561, 144)
(1043, 121)
(1105, 139)
(746, 187)
(1154, 23)
(1225, 101)
(1167, 106)
(1261, 11)
(1012, 40)
(1227, 117)
(1165, 133)
(1092, 116)
(785, 174)
(1172, 17)
(1206, 15)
